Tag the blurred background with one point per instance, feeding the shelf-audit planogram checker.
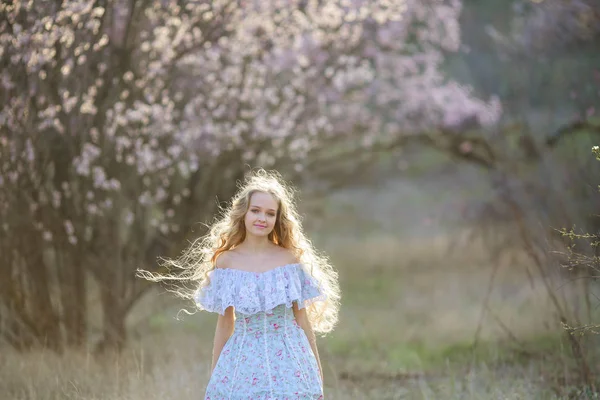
(443, 152)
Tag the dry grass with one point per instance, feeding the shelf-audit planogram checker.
(408, 319)
(169, 366)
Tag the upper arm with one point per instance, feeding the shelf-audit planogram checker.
(301, 316)
(228, 318)
(224, 261)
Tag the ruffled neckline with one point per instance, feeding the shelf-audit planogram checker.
(251, 292)
(269, 271)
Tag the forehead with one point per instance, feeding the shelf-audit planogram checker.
(263, 200)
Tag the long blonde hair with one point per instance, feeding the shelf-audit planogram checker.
(229, 231)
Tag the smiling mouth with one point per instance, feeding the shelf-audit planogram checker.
(260, 226)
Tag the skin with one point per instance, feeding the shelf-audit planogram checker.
(258, 254)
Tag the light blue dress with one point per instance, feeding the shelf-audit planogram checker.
(268, 356)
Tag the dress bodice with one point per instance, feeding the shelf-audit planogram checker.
(254, 292)
(274, 322)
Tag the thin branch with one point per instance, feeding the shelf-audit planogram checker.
(572, 128)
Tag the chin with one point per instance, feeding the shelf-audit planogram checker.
(259, 232)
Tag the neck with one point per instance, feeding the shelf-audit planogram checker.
(256, 244)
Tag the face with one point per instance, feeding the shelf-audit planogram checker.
(261, 215)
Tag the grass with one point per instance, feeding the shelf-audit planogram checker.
(406, 331)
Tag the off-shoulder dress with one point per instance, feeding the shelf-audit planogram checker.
(268, 355)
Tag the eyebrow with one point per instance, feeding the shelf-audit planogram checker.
(270, 209)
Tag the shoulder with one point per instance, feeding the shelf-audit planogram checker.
(287, 256)
(224, 260)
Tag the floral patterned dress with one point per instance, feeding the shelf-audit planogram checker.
(268, 356)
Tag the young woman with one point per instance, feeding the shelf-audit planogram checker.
(272, 291)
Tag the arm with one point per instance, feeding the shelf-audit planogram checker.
(304, 322)
(225, 323)
(223, 332)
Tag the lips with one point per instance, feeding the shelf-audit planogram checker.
(260, 226)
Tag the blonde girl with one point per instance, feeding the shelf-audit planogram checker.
(271, 289)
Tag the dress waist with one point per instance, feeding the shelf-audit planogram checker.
(277, 321)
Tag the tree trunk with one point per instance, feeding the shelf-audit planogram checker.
(41, 308)
(74, 306)
(114, 334)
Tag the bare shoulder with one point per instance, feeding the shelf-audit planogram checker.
(224, 260)
(287, 256)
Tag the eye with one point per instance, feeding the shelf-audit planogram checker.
(254, 211)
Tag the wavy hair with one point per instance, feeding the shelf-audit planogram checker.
(229, 231)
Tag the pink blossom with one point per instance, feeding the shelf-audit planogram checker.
(259, 83)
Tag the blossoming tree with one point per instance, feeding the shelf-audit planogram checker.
(123, 120)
